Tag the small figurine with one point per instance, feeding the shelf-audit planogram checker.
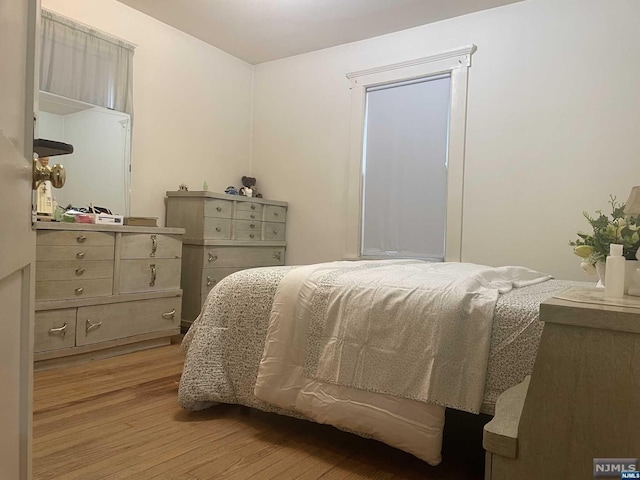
(183, 187)
(231, 190)
(249, 187)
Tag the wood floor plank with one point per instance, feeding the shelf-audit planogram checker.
(118, 419)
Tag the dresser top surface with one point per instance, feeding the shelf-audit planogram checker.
(223, 196)
(587, 307)
(90, 227)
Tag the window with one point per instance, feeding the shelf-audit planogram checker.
(404, 168)
(407, 158)
(81, 63)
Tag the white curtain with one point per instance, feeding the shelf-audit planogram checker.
(84, 64)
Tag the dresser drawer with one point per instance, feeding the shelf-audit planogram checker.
(249, 211)
(50, 253)
(275, 214)
(70, 237)
(54, 329)
(69, 289)
(143, 245)
(100, 323)
(248, 230)
(218, 208)
(217, 228)
(243, 256)
(149, 275)
(73, 270)
(274, 231)
(211, 277)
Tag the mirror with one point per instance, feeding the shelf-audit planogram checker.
(98, 170)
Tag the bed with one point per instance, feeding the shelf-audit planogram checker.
(277, 339)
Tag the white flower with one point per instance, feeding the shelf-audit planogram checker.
(588, 267)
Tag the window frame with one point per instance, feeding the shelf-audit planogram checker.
(456, 63)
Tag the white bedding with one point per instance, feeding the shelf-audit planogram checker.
(421, 323)
(225, 345)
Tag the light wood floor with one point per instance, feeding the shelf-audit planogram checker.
(118, 419)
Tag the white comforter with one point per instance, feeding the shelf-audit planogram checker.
(387, 375)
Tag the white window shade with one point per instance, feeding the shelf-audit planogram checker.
(405, 168)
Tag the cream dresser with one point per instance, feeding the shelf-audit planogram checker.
(104, 289)
(224, 234)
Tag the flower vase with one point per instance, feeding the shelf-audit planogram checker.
(630, 267)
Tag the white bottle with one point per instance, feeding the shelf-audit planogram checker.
(614, 274)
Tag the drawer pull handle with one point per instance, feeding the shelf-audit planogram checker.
(152, 283)
(212, 257)
(219, 209)
(79, 291)
(253, 215)
(252, 225)
(275, 232)
(79, 271)
(251, 235)
(276, 214)
(80, 255)
(59, 331)
(154, 245)
(253, 207)
(210, 282)
(92, 326)
(81, 238)
(170, 314)
(277, 255)
(218, 229)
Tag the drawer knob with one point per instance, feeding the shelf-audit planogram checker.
(89, 325)
(152, 283)
(219, 209)
(210, 282)
(253, 207)
(276, 214)
(154, 246)
(252, 225)
(81, 238)
(251, 235)
(80, 255)
(79, 291)
(277, 255)
(79, 271)
(218, 229)
(253, 215)
(212, 257)
(59, 331)
(275, 232)
(170, 314)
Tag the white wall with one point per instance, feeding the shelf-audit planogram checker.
(192, 105)
(552, 128)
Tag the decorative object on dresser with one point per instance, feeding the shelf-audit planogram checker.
(141, 221)
(105, 289)
(224, 234)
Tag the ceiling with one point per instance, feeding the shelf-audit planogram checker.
(262, 30)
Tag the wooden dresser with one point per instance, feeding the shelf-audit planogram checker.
(105, 289)
(224, 234)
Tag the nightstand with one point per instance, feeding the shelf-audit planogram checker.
(583, 398)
